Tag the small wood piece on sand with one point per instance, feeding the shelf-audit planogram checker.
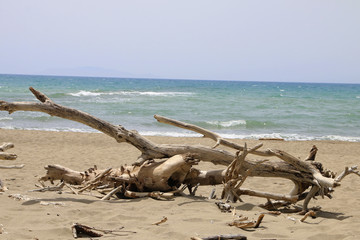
(3, 188)
(161, 221)
(247, 224)
(79, 229)
(222, 237)
(224, 207)
(310, 213)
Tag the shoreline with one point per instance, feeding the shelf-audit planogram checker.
(188, 216)
(252, 137)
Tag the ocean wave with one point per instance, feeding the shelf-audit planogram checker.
(227, 124)
(82, 93)
(357, 96)
(5, 118)
(57, 95)
(60, 129)
(170, 134)
(340, 138)
(37, 117)
(286, 137)
(233, 124)
(292, 137)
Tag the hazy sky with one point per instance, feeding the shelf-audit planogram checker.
(308, 41)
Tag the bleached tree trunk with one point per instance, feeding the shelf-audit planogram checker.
(303, 174)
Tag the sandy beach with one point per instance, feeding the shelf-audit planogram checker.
(187, 217)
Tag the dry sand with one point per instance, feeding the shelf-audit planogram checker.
(187, 216)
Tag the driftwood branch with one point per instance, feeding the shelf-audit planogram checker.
(115, 190)
(267, 195)
(347, 171)
(12, 166)
(81, 230)
(164, 167)
(208, 134)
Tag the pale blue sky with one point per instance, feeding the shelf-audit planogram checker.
(269, 40)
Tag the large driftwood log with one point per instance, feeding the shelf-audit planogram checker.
(165, 175)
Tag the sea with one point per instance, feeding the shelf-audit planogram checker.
(233, 109)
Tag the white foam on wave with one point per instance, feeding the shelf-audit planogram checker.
(293, 137)
(227, 124)
(162, 93)
(82, 93)
(61, 129)
(286, 137)
(5, 118)
(251, 136)
(357, 96)
(341, 138)
(170, 134)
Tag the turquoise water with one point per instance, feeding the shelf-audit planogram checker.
(294, 111)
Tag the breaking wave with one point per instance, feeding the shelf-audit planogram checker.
(227, 124)
(5, 118)
(82, 93)
(286, 137)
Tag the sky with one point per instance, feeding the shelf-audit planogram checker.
(245, 40)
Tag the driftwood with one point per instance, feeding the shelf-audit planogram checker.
(309, 213)
(3, 188)
(247, 224)
(222, 237)
(81, 230)
(164, 167)
(224, 207)
(163, 220)
(12, 166)
(7, 156)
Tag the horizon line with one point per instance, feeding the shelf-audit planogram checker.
(176, 79)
